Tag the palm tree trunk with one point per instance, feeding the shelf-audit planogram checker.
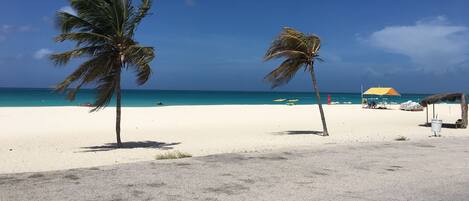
(318, 97)
(118, 109)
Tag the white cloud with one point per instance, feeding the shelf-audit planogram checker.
(25, 28)
(434, 44)
(41, 53)
(6, 30)
(68, 9)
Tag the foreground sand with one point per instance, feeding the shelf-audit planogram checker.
(53, 138)
(417, 170)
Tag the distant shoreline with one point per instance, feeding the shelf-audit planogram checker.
(148, 98)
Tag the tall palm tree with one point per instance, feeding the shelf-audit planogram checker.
(103, 31)
(299, 51)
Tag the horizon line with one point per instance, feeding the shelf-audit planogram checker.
(227, 90)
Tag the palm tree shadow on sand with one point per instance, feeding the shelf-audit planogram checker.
(131, 145)
(444, 125)
(299, 132)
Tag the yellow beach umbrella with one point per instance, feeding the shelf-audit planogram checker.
(382, 91)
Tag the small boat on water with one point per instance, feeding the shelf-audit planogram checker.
(280, 100)
(87, 104)
(288, 101)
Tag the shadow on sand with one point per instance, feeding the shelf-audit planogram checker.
(131, 145)
(299, 133)
(444, 125)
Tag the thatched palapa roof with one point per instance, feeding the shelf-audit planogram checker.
(449, 97)
(446, 97)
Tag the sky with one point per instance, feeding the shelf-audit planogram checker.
(418, 46)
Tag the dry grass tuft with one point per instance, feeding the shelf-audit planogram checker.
(172, 155)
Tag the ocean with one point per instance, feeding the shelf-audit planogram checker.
(23, 97)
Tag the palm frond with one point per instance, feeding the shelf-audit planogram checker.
(298, 50)
(285, 53)
(288, 40)
(84, 38)
(143, 74)
(73, 92)
(106, 88)
(138, 55)
(63, 58)
(138, 16)
(314, 42)
(87, 72)
(98, 13)
(139, 58)
(285, 72)
(67, 22)
(76, 75)
(103, 66)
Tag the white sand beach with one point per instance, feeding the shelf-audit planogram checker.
(54, 138)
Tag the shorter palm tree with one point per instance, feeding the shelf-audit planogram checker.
(300, 51)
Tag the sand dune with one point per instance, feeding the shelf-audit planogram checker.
(54, 138)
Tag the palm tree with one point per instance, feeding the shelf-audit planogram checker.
(103, 31)
(299, 50)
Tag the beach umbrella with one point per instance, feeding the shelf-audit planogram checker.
(382, 91)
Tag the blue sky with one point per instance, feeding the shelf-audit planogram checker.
(415, 46)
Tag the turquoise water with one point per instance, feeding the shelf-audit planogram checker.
(10, 97)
